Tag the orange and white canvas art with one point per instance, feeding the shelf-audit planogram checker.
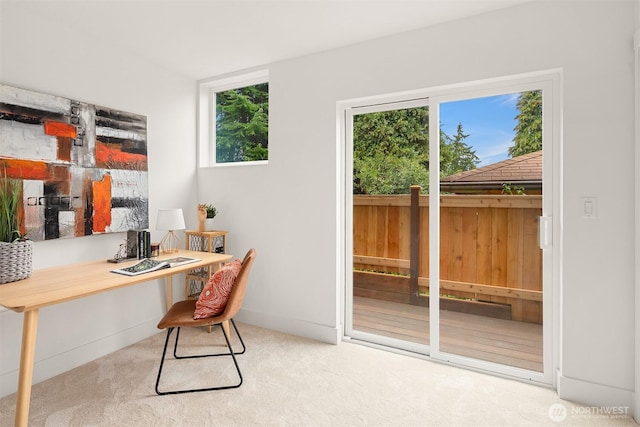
(83, 167)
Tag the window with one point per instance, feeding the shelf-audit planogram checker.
(242, 124)
(234, 120)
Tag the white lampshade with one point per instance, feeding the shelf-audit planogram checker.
(170, 219)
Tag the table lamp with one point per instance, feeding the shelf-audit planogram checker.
(170, 220)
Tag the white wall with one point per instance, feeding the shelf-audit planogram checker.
(287, 210)
(45, 56)
(636, 398)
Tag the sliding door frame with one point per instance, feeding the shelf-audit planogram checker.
(349, 113)
(550, 83)
(550, 216)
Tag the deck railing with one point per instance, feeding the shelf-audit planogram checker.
(490, 261)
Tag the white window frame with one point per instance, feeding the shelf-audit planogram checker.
(207, 90)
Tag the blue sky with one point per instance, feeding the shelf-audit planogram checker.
(489, 122)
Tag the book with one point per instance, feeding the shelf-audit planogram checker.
(138, 244)
(132, 243)
(174, 262)
(148, 265)
(146, 244)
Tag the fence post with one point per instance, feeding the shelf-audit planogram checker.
(414, 260)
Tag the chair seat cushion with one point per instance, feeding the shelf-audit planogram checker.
(214, 295)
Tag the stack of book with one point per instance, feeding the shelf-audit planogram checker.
(138, 244)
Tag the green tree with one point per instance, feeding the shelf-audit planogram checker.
(391, 151)
(528, 137)
(455, 155)
(242, 124)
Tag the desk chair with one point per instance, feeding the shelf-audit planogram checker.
(181, 315)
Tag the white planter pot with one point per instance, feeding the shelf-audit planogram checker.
(208, 224)
(15, 260)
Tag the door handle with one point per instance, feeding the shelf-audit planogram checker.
(545, 228)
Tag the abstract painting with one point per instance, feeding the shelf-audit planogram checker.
(83, 167)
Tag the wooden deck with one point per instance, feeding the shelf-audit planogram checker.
(507, 342)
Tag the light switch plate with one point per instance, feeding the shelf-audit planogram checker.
(589, 207)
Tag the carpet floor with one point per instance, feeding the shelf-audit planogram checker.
(292, 381)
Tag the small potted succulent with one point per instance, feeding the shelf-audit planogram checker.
(16, 252)
(211, 214)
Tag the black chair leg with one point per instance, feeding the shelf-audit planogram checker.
(230, 353)
(233, 356)
(175, 347)
(239, 337)
(164, 353)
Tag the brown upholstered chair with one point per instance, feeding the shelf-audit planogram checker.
(181, 315)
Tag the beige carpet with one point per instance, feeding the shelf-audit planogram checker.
(291, 381)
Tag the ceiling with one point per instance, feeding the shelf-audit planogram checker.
(207, 38)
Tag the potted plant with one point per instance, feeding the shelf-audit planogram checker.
(211, 214)
(15, 250)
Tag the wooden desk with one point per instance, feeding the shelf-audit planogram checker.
(56, 285)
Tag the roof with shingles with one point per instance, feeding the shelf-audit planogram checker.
(527, 167)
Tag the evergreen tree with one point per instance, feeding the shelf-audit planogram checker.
(455, 155)
(242, 124)
(391, 151)
(528, 137)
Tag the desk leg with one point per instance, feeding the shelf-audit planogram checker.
(169, 291)
(27, 358)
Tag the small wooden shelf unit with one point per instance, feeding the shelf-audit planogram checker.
(202, 241)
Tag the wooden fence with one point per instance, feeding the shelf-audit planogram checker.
(490, 261)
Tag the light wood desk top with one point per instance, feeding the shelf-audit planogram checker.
(55, 285)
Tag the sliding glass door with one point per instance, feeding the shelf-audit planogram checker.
(490, 259)
(448, 200)
(390, 170)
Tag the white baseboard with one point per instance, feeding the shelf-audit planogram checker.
(57, 364)
(593, 394)
(297, 327)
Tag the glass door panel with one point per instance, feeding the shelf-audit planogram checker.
(390, 224)
(490, 261)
